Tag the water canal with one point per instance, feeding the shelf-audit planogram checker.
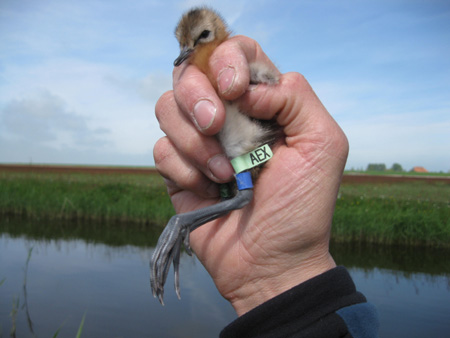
(101, 272)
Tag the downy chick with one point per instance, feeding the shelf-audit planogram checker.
(199, 32)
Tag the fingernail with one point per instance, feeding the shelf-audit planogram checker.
(204, 114)
(220, 167)
(225, 80)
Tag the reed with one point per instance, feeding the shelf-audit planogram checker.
(405, 213)
(130, 198)
(415, 213)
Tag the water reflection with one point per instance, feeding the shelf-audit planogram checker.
(68, 277)
(112, 234)
(409, 286)
(405, 260)
(102, 270)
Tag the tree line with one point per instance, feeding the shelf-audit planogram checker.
(396, 167)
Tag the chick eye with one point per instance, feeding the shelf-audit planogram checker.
(204, 34)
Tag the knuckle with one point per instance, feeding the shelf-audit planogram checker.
(242, 40)
(161, 151)
(191, 146)
(162, 105)
(296, 81)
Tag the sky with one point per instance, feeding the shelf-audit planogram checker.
(79, 80)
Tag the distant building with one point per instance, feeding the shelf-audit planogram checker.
(419, 170)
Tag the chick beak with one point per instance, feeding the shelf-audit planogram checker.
(184, 54)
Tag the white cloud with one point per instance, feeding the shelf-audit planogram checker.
(45, 120)
(112, 109)
(83, 77)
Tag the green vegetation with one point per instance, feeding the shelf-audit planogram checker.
(403, 213)
(113, 234)
(114, 198)
(395, 169)
(391, 172)
(416, 213)
(376, 167)
(80, 329)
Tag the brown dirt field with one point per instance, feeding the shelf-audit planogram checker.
(67, 169)
(348, 178)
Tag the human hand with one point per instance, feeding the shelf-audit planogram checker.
(281, 238)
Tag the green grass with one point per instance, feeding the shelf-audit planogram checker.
(136, 198)
(404, 213)
(399, 173)
(80, 329)
(416, 213)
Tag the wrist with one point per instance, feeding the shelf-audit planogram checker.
(261, 289)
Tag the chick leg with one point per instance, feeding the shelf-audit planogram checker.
(168, 248)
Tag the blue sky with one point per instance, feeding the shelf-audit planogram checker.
(79, 79)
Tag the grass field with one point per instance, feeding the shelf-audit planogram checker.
(115, 198)
(399, 173)
(416, 213)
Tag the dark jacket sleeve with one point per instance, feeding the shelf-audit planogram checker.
(325, 306)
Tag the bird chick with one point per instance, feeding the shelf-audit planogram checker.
(199, 32)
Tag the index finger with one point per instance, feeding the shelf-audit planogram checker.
(197, 98)
(229, 67)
